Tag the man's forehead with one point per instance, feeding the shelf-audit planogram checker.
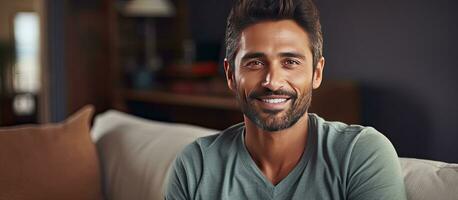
(284, 31)
(274, 36)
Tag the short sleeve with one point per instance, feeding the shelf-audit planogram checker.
(374, 169)
(185, 174)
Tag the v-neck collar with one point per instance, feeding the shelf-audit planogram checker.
(292, 177)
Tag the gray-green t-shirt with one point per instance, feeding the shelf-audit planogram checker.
(340, 162)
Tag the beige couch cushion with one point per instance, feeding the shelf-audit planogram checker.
(430, 180)
(50, 162)
(136, 153)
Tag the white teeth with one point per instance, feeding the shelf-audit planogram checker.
(274, 100)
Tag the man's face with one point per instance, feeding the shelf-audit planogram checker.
(273, 77)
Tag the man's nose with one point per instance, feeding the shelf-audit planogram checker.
(273, 78)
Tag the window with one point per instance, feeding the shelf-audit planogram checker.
(26, 77)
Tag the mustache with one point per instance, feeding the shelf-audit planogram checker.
(267, 92)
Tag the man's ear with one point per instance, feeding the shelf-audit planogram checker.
(229, 75)
(318, 73)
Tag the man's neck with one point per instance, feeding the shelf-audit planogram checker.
(276, 153)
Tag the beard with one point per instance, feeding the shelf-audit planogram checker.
(274, 120)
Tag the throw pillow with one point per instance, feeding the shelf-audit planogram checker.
(51, 161)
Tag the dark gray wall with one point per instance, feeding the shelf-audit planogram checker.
(402, 52)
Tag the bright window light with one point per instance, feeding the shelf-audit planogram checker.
(27, 37)
(26, 77)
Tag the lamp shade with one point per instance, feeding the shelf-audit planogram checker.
(148, 8)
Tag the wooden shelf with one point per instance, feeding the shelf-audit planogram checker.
(161, 97)
(335, 101)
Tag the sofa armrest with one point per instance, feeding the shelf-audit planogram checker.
(427, 179)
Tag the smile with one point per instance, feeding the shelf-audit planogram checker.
(275, 101)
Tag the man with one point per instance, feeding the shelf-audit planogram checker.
(273, 62)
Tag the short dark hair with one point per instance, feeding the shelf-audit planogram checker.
(245, 13)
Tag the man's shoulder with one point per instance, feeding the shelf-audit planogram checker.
(342, 131)
(222, 138)
(363, 157)
(345, 141)
(215, 142)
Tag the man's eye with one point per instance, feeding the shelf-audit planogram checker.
(292, 62)
(254, 64)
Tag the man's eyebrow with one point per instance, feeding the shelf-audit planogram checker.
(253, 55)
(292, 54)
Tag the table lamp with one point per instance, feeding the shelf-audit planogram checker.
(149, 9)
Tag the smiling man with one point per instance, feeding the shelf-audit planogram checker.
(273, 63)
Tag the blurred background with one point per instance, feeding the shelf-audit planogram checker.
(391, 64)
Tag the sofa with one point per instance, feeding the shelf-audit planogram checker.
(123, 157)
(136, 155)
